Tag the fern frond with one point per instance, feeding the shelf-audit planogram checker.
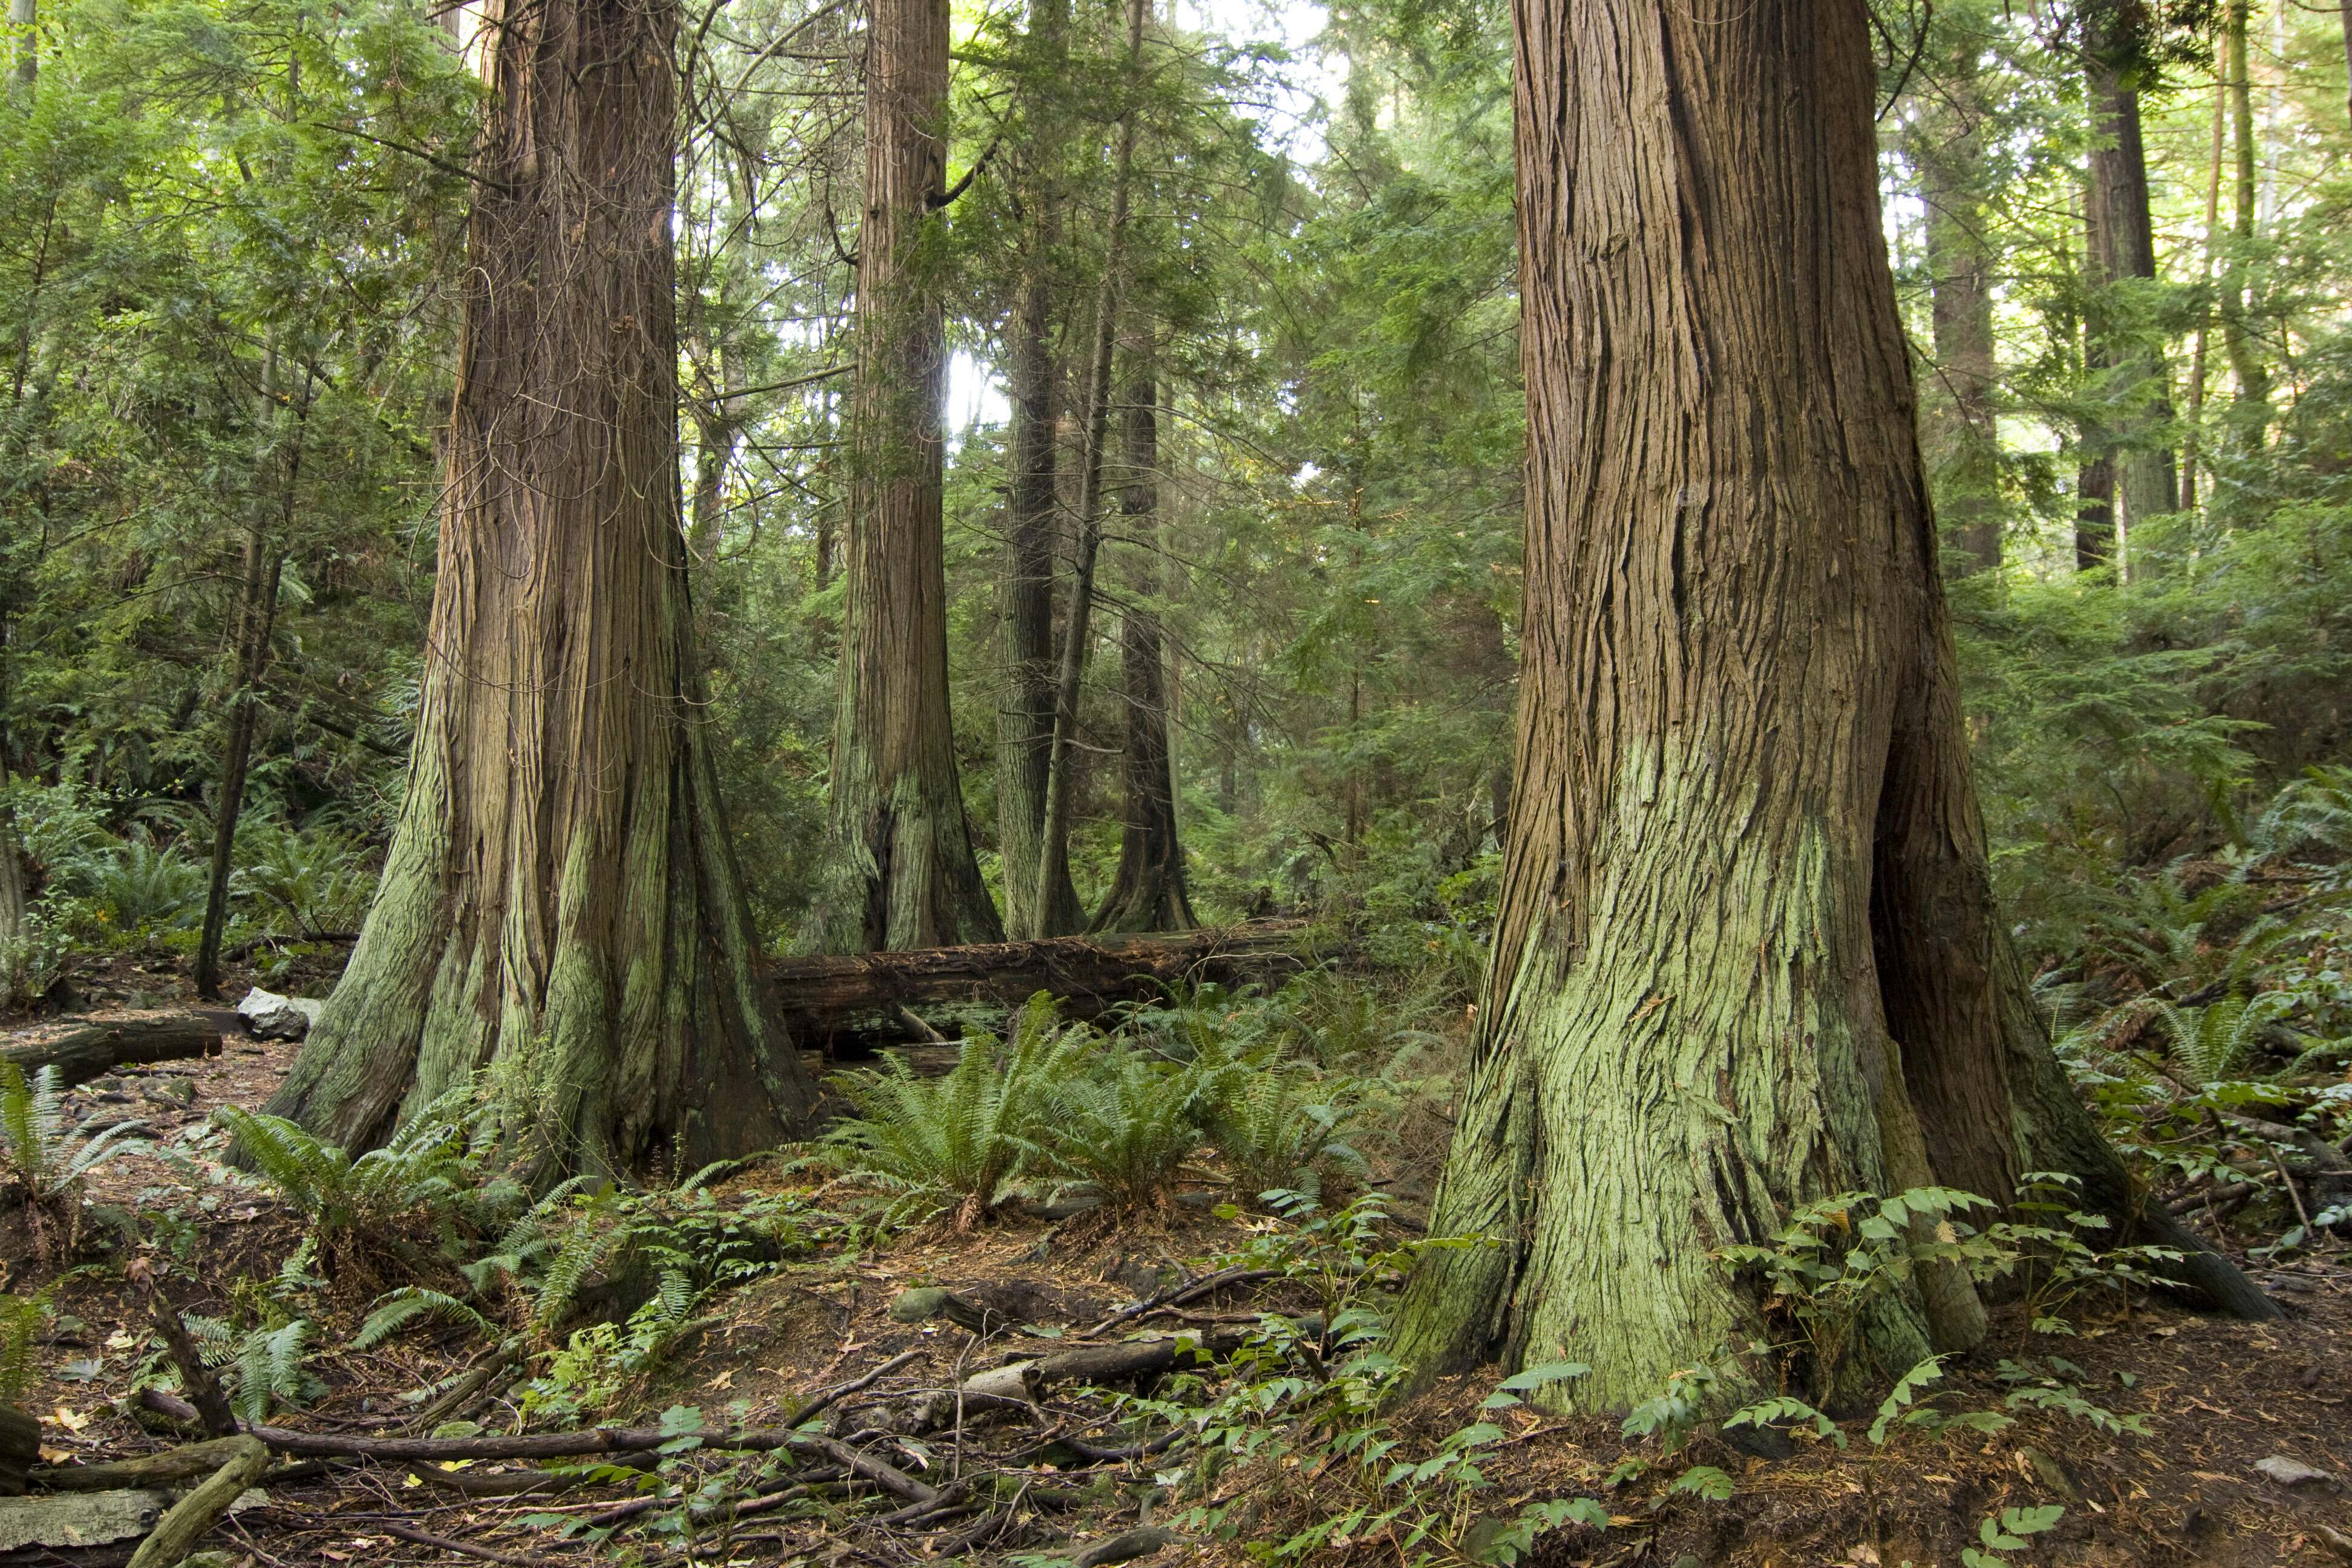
(413, 1304)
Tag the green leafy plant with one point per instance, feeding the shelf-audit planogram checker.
(1125, 1126)
(962, 1141)
(1277, 1125)
(1312, 1396)
(23, 1316)
(264, 1367)
(301, 883)
(436, 1176)
(138, 891)
(1832, 1258)
(45, 1162)
(2005, 1532)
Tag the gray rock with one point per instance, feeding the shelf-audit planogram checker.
(919, 1305)
(267, 1015)
(2289, 1472)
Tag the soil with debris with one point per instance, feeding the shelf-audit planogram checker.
(2246, 1458)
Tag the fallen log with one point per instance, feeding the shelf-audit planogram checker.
(181, 1464)
(858, 999)
(20, 1448)
(202, 1508)
(98, 1049)
(563, 1445)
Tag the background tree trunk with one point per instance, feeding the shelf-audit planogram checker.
(900, 869)
(1024, 723)
(2250, 408)
(1957, 423)
(23, 16)
(2123, 251)
(561, 899)
(1053, 915)
(1147, 893)
(1744, 856)
(254, 621)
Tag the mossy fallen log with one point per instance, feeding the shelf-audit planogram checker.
(99, 1049)
(854, 1002)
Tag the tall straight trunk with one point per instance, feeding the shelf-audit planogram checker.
(254, 621)
(2122, 252)
(1055, 918)
(561, 903)
(2195, 418)
(2250, 407)
(24, 16)
(1024, 720)
(1958, 415)
(14, 890)
(1148, 891)
(1745, 858)
(2344, 13)
(900, 869)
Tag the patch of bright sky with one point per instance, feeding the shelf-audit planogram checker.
(1300, 91)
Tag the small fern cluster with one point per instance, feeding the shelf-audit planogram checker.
(1056, 1103)
(45, 1162)
(436, 1176)
(23, 1316)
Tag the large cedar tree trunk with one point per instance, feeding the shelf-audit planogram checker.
(560, 901)
(1744, 858)
(900, 870)
(1147, 893)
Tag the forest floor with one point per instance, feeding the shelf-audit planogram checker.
(2209, 1401)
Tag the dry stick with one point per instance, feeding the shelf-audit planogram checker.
(833, 1396)
(202, 1507)
(493, 1361)
(178, 1464)
(2301, 1212)
(463, 1548)
(1191, 1289)
(1138, 1543)
(211, 1405)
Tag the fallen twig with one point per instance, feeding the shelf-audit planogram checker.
(831, 1396)
(1191, 1291)
(463, 1548)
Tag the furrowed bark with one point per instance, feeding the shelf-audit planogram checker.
(1745, 922)
(561, 900)
(1147, 893)
(900, 871)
